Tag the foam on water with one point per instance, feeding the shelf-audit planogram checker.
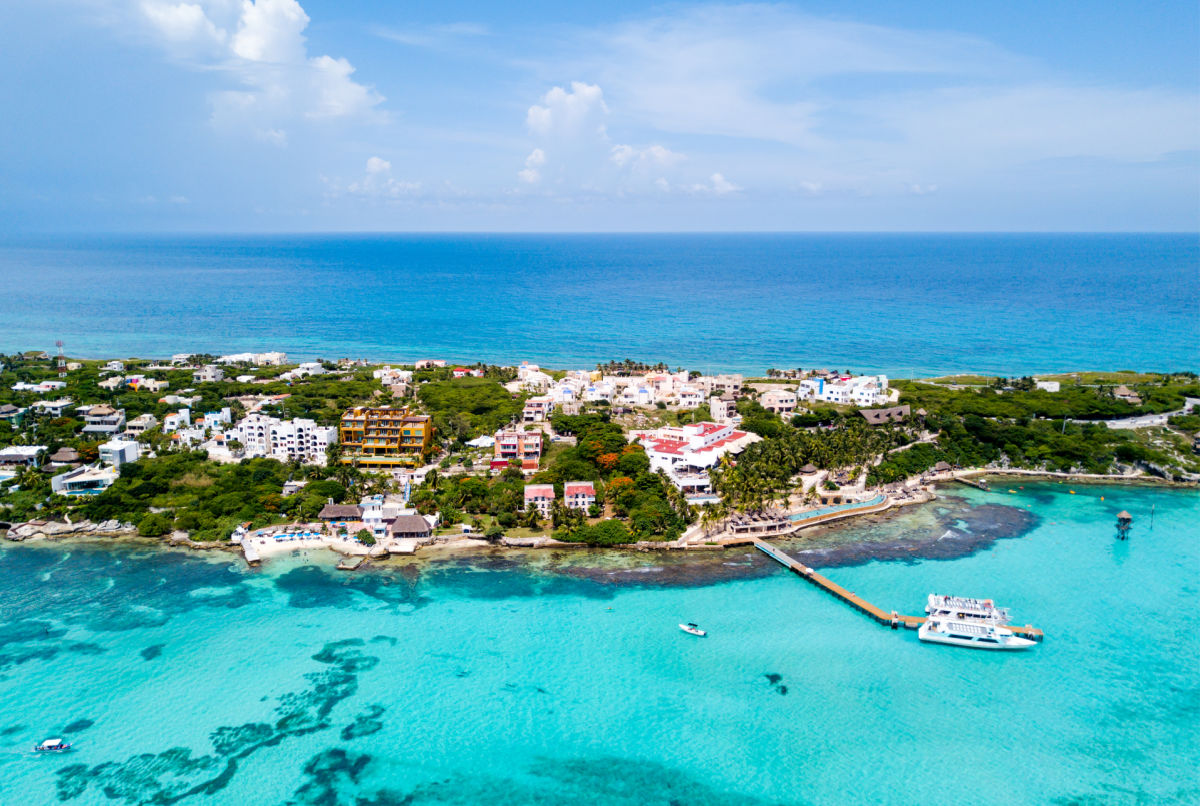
(537, 681)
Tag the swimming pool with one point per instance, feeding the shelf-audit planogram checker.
(813, 513)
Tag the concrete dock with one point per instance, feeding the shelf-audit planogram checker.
(891, 619)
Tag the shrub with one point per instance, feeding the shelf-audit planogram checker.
(155, 524)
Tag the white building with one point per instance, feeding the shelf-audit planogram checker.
(103, 419)
(300, 439)
(87, 480)
(685, 453)
(579, 494)
(723, 410)
(861, 390)
(40, 387)
(176, 421)
(720, 384)
(539, 496)
(388, 376)
(779, 401)
(217, 420)
(117, 452)
(22, 455)
(273, 359)
(140, 425)
(1048, 386)
(114, 366)
(53, 408)
(209, 373)
(538, 409)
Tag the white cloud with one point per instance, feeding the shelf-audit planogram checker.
(183, 23)
(260, 45)
(717, 185)
(271, 31)
(578, 153)
(828, 105)
(643, 159)
(569, 114)
(531, 175)
(379, 183)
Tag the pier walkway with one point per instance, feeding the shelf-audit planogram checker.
(889, 619)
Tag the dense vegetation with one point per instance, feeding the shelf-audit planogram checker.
(765, 470)
(463, 408)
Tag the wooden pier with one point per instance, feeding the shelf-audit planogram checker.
(978, 484)
(889, 619)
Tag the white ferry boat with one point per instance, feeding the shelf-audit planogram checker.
(976, 635)
(961, 608)
(52, 746)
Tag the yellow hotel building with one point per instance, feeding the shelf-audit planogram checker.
(385, 438)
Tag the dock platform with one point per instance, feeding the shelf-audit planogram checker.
(889, 619)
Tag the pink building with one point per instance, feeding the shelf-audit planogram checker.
(521, 445)
(540, 496)
(579, 494)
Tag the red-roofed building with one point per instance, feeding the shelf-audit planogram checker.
(540, 496)
(579, 494)
(459, 372)
(685, 453)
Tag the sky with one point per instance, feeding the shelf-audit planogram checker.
(346, 115)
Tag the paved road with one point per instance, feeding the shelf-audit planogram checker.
(1149, 420)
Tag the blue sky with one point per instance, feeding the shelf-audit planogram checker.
(279, 115)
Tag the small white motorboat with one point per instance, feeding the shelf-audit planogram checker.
(692, 629)
(52, 746)
(974, 635)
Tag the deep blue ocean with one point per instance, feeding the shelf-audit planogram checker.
(902, 304)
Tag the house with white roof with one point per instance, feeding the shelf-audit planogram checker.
(140, 425)
(117, 452)
(208, 374)
(861, 390)
(22, 455)
(779, 401)
(53, 408)
(300, 439)
(87, 480)
(41, 387)
(538, 409)
(217, 420)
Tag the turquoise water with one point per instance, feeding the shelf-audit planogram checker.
(900, 304)
(548, 678)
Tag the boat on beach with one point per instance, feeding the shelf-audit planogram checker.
(52, 746)
(962, 608)
(974, 635)
(692, 629)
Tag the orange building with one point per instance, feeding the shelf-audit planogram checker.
(385, 438)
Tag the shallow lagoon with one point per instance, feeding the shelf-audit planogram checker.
(546, 677)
